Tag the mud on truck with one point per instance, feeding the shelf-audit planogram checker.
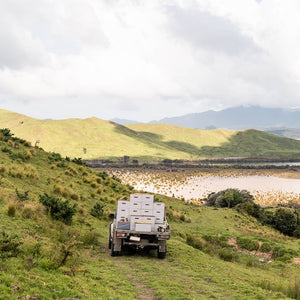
(139, 223)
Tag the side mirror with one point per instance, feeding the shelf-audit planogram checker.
(111, 216)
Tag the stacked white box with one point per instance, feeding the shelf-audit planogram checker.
(148, 197)
(135, 212)
(134, 220)
(159, 212)
(123, 210)
(146, 212)
(136, 197)
(146, 227)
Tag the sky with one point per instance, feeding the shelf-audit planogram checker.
(147, 59)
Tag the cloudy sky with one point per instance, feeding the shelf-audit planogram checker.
(147, 59)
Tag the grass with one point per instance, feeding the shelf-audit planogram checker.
(52, 260)
(95, 138)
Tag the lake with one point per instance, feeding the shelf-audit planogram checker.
(267, 190)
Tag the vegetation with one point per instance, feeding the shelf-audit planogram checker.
(85, 139)
(42, 257)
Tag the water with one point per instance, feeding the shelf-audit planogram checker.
(268, 190)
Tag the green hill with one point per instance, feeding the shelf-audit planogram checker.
(63, 254)
(95, 138)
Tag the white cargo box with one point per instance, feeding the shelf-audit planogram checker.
(148, 197)
(133, 220)
(147, 204)
(146, 212)
(135, 211)
(159, 220)
(135, 204)
(136, 197)
(142, 226)
(123, 204)
(159, 206)
(123, 214)
(158, 213)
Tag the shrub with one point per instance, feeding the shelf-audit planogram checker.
(248, 244)
(79, 161)
(286, 220)
(227, 255)
(90, 238)
(58, 209)
(9, 244)
(265, 247)
(11, 209)
(97, 210)
(22, 196)
(195, 242)
(228, 198)
(280, 251)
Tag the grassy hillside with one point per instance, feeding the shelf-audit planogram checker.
(42, 257)
(95, 138)
(254, 143)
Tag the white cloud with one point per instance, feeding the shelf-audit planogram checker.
(147, 59)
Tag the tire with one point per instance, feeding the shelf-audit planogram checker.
(109, 241)
(161, 255)
(113, 252)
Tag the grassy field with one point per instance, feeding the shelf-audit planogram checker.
(42, 257)
(95, 138)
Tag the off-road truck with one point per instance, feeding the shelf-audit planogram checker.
(140, 223)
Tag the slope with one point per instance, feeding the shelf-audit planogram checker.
(41, 257)
(86, 138)
(254, 143)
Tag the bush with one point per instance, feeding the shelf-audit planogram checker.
(227, 255)
(195, 242)
(248, 244)
(90, 238)
(228, 198)
(9, 244)
(286, 220)
(11, 209)
(22, 196)
(265, 247)
(280, 251)
(97, 210)
(58, 209)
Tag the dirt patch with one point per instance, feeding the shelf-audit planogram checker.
(296, 260)
(267, 256)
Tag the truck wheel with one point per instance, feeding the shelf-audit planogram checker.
(109, 241)
(114, 253)
(161, 255)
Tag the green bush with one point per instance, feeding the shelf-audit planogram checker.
(248, 244)
(9, 244)
(97, 210)
(194, 242)
(228, 198)
(22, 196)
(265, 247)
(228, 255)
(286, 220)
(58, 209)
(280, 251)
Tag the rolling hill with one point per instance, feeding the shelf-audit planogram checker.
(42, 256)
(94, 138)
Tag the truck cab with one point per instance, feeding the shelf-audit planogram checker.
(139, 223)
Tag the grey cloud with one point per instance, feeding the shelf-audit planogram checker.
(212, 33)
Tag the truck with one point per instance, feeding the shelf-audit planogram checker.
(139, 223)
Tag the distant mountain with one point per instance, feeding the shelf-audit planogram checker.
(123, 121)
(292, 133)
(238, 118)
